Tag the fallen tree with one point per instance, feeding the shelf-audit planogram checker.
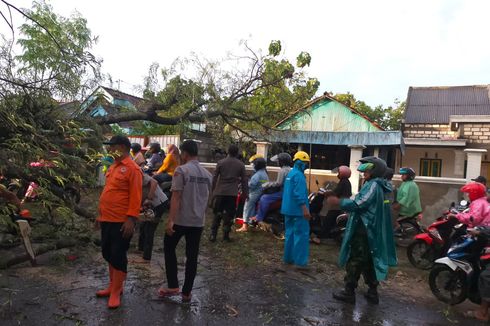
(18, 254)
(39, 139)
(249, 91)
(243, 92)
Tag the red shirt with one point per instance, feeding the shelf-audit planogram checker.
(122, 193)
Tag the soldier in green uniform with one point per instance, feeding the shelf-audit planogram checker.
(368, 248)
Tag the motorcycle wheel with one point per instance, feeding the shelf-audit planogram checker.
(421, 255)
(447, 285)
(408, 230)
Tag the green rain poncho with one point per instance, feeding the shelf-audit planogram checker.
(408, 196)
(368, 208)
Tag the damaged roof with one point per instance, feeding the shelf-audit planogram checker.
(123, 96)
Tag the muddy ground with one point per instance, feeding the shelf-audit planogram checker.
(242, 283)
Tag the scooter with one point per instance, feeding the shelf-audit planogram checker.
(315, 199)
(434, 243)
(409, 227)
(273, 221)
(454, 278)
(318, 223)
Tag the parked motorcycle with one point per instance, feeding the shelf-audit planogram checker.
(409, 227)
(434, 243)
(316, 199)
(273, 221)
(319, 225)
(454, 278)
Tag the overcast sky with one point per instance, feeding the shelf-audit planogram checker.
(374, 49)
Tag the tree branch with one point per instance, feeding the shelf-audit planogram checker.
(23, 85)
(237, 128)
(6, 20)
(9, 5)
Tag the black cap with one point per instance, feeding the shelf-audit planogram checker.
(118, 140)
(480, 179)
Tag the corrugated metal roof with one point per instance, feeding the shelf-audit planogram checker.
(436, 104)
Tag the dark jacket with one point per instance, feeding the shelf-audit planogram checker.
(343, 189)
(229, 172)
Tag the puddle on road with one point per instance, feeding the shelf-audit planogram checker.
(220, 297)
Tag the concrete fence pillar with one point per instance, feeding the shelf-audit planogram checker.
(262, 148)
(473, 166)
(459, 157)
(355, 156)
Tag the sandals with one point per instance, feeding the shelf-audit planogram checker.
(165, 292)
(316, 240)
(474, 314)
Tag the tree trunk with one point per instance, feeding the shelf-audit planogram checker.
(18, 255)
(84, 212)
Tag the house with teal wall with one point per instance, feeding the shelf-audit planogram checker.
(105, 100)
(331, 130)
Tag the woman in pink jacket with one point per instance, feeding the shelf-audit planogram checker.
(479, 212)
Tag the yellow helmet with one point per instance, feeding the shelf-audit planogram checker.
(302, 156)
(254, 157)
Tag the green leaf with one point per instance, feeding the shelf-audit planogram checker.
(275, 48)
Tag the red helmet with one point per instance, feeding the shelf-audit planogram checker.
(344, 172)
(475, 190)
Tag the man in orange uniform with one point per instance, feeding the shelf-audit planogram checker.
(119, 206)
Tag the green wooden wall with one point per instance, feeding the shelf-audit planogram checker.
(328, 115)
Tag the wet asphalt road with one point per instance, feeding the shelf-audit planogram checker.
(284, 296)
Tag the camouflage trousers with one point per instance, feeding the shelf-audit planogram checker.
(360, 261)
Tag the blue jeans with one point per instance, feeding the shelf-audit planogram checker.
(297, 242)
(265, 202)
(249, 208)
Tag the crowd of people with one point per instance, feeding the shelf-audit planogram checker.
(130, 190)
(132, 196)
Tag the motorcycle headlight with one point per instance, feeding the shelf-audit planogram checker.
(435, 234)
